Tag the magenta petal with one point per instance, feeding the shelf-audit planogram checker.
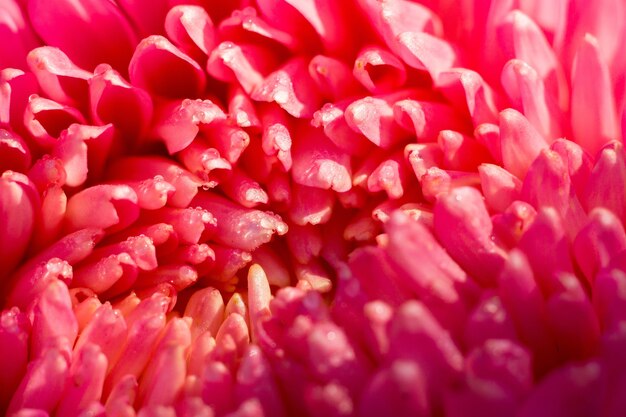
(57, 25)
(255, 380)
(607, 180)
(572, 389)
(16, 87)
(155, 57)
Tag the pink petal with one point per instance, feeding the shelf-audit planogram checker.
(333, 77)
(54, 323)
(14, 335)
(509, 226)
(113, 100)
(85, 381)
(117, 205)
(245, 63)
(60, 79)
(488, 320)
(107, 329)
(191, 29)
(609, 298)
(547, 249)
(500, 188)
(391, 176)
(378, 70)
(46, 120)
(120, 401)
(206, 309)
(148, 16)
(420, 260)
(331, 118)
(310, 205)
(178, 122)
(18, 205)
(426, 118)
(607, 180)
(16, 87)
(374, 118)
(579, 164)
(43, 384)
(145, 167)
(523, 300)
(318, 163)
(57, 25)
(164, 376)
(15, 154)
(304, 242)
(464, 228)
(594, 116)
(229, 140)
(155, 59)
(241, 109)
(239, 227)
(17, 35)
(461, 152)
(598, 242)
(521, 143)
(467, 90)
(527, 93)
(29, 286)
(290, 87)
(204, 161)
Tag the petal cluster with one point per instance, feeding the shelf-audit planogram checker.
(312, 208)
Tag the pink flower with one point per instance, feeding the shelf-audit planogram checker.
(312, 208)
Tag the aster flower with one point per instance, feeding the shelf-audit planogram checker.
(312, 208)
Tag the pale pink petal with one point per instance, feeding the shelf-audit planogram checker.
(331, 118)
(374, 118)
(58, 24)
(247, 64)
(155, 58)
